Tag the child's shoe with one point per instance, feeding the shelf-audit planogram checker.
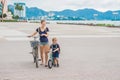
(55, 65)
(58, 65)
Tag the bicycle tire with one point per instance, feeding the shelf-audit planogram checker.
(33, 54)
(50, 64)
(33, 57)
(36, 58)
(36, 61)
(36, 55)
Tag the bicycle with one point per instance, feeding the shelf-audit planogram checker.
(34, 45)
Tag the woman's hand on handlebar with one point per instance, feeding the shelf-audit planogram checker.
(29, 36)
(32, 34)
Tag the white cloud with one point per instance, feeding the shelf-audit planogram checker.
(71, 4)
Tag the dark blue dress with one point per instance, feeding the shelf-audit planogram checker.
(43, 38)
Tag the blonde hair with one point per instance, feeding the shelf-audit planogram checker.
(42, 21)
(53, 39)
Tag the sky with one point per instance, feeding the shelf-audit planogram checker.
(58, 5)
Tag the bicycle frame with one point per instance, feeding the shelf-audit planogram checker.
(50, 56)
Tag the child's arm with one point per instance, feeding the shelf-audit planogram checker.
(56, 50)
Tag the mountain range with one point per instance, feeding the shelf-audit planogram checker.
(88, 14)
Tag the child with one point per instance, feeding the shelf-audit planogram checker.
(55, 51)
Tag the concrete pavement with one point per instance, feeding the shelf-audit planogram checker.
(88, 53)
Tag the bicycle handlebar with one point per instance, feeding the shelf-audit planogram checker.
(35, 37)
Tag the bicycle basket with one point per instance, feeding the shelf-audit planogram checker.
(34, 43)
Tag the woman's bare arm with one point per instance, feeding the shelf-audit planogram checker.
(33, 34)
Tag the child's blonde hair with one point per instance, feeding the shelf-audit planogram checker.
(53, 39)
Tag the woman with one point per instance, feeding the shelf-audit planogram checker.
(44, 43)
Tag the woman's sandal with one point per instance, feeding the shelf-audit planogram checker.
(46, 65)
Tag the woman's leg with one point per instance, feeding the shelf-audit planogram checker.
(41, 54)
(46, 48)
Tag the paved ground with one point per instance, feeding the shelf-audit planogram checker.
(88, 53)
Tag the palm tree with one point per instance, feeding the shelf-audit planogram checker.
(19, 8)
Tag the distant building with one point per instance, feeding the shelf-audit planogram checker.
(20, 10)
(51, 15)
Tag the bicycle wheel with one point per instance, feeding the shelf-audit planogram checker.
(50, 63)
(36, 58)
(36, 61)
(33, 57)
(33, 54)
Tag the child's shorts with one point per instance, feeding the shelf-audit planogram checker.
(55, 55)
